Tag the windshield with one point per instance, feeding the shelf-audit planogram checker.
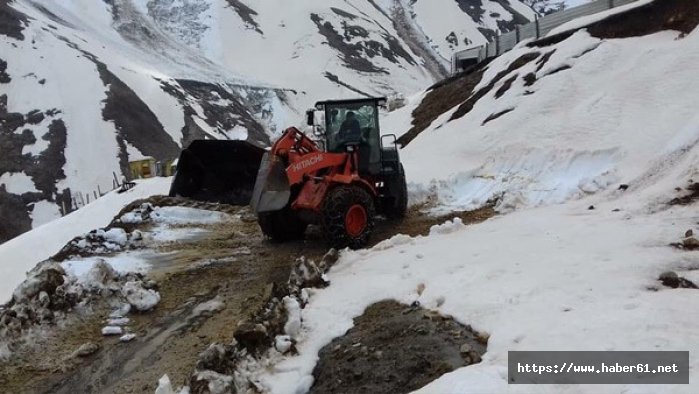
(350, 123)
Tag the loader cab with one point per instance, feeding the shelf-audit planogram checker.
(353, 124)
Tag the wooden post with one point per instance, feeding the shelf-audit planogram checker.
(99, 191)
(94, 193)
(538, 32)
(116, 181)
(517, 33)
(63, 206)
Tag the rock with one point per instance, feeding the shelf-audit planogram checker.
(474, 356)
(465, 348)
(44, 299)
(87, 349)
(164, 386)
(213, 358)
(141, 299)
(689, 233)
(112, 330)
(119, 321)
(420, 288)
(283, 343)
(690, 243)
(251, 335)
(623, 186)
(211, 382)
(329, 259)
(483, 337)
(670, 279)
(127, 338)
(591, 207)
(121, 311)
(35, 117)
(440, 301)
(100, 275)
(46, 278)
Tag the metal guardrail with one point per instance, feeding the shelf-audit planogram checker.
(536, 29)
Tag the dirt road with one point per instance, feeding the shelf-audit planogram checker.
(207, 284)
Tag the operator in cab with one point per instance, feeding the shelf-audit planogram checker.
(350, 130)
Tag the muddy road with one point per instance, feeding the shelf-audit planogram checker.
(208, 284)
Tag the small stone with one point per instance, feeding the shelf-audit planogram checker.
(330, 258)
(474, 356)
(623, 186)
(87, 349)
(690, 243)
(127, 338)
(440, 301)
(44, 299)
(420, 288)
(377, 354)
(483, 337)
(465, 348)
(591, 207)
(111, 330)
(689, 233)
(250, 335)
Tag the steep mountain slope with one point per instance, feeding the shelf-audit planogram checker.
(87, 86)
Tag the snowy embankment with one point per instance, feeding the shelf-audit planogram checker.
(21, 254)
(576, 267)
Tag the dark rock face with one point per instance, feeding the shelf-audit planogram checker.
(334, 78)
(45, 169)
(134, 121)
(474, 8)
(11, 21)
(223, 109)
(357, 55)
(14, 217)
(4, 77)
(246, 14)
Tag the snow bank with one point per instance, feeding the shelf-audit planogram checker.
(20, 254)
(586, 123)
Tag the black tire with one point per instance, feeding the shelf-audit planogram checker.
(396, 206)
(281, 226)
(334, 222)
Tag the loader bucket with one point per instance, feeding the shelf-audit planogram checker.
(272, 191)
(217, 171)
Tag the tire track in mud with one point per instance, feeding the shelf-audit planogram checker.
(232, 268)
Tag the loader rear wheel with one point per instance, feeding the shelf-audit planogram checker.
(281, 226)
(397, 205)
(348, 217)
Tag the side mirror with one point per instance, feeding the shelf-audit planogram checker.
(310, 117)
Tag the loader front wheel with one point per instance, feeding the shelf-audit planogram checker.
(281, 226)
(348, 217)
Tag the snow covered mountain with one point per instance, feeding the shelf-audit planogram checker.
(87, 86)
